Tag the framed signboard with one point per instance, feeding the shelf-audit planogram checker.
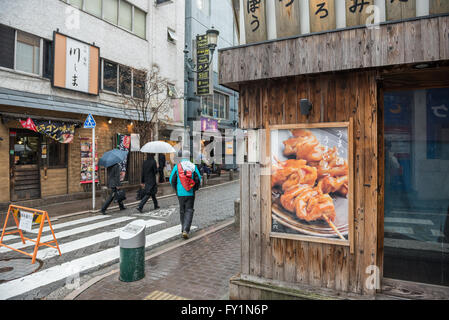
(312, 182)
(204, 83)
(76, 65)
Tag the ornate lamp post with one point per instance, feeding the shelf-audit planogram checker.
(190, 66)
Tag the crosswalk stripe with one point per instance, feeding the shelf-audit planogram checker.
(70, 223)
(72, 268)
(67, 233)
(57, 226)
(46, 254)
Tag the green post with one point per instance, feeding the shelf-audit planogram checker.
(132, 264)
(132, 251)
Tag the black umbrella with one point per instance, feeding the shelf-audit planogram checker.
(112, 157)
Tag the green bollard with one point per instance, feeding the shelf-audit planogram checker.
(132, 252)
(132, 264)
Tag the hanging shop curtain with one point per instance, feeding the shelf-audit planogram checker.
(57, 130)
(123, 143)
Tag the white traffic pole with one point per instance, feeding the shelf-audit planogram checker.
(93, 169)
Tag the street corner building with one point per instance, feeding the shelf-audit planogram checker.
(344, 194)
(64, 60)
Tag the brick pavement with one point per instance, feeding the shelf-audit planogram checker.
(197, 270)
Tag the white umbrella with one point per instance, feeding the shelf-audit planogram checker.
(157, 147)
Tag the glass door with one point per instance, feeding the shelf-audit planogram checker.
(24, 164)
(416, 225)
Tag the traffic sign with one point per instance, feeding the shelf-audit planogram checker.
(90, 122)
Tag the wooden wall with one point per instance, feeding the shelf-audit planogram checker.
(335, 98)
(54, 183)
(422, 40)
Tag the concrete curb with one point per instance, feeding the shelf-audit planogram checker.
(168, 247)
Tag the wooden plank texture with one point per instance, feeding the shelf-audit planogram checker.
(322, 15)
(439, 6)
(398, 43)
(287, 18)
(397, 10)
(255, 21)
(357, 12)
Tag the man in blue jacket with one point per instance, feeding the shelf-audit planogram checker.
(185, 179)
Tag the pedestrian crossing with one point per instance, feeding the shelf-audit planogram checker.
(58, 226)
(68, 233)
(86, 239)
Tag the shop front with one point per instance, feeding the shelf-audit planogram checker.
(48, 154)
(345, 193)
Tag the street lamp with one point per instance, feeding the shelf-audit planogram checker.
(212, 39)
(190, 66)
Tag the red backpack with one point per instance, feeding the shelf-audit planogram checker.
(186, 178)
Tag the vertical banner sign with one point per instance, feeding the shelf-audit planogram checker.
(255, 20)
(123, 143)
(86, 161)
(439, 6)
(322, 15)
(204, 84)
(76, 64)
(358, 12)
(400, 9)
(287, 18)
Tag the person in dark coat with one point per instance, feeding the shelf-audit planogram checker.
(113, 184)
(149, 171)
(161, 160)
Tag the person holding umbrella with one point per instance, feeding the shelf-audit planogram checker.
(149, 184)
(149, 171)
(111, 160)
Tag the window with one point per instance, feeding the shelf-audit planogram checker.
(76, 3)
(125, 15)
(118, 12)
(139, 22)
(204, 6)
(162, 1)
(130, 82)
(416, 167)
(171, 35)
(48, 59)
(109, 76)
(7, 38)
(53, 154)
(125, 80)
(93, 7)
(27, 53)
(216, 105)
(110, 11)
(139, 84)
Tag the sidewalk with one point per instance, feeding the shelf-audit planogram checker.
(195, 269)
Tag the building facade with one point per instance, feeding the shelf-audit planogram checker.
(217, 111)
(355, 94)
(63, 59)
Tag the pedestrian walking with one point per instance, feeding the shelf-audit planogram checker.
(185, 179)
(113, 184)
(161, 161)
(148, 181)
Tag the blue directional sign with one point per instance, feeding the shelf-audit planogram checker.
(90, 122)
